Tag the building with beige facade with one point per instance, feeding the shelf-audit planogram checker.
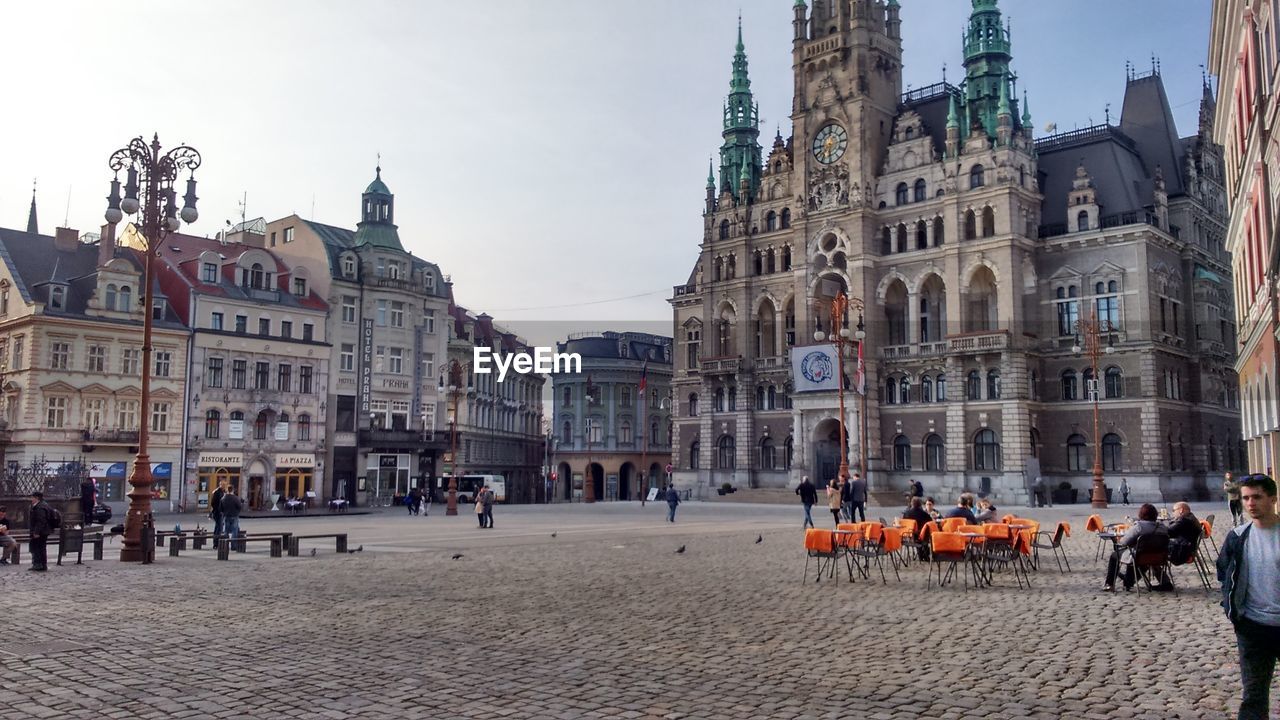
(1244, 55)
(388, 331)
(71, 320)
(258, 372)
(976, 250)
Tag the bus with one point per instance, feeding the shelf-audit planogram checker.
(468, 485)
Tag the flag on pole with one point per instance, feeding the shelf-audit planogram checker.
(644, 375)
(860, 382)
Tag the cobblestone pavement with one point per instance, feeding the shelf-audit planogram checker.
(603, 621)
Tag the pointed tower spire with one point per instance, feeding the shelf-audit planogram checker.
(987, 55)
(1003, 107)
(740, 154)
(953, 115)
(1026, 111)
(32, 226)
(711, 173)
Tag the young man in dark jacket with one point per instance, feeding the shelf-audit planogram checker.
(857, 489)
(1249, 570)
(809, 497)
(41, 528)
(215, 511)
(673, 499)
(1184, 534)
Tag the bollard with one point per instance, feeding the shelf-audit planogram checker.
(224, 548)
(240, 543)
(173, 546)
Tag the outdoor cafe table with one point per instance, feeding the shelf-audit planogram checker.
(848, 540)
(974, 554)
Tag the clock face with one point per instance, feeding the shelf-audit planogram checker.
(830, 143)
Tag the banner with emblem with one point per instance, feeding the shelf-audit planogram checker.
(814, 368)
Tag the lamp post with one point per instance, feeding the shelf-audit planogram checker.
(841, 339)
(454, 388)
(589, 481)
(149, 189)
(1092, 331)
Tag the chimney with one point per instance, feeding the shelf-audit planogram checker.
(66, 240)
(107, 244)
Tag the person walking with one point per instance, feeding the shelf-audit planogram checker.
(480, 505)
(808, 497)
(833, 499)
(857, 498)
(1124, 491)
(846, 504)
(1249, 570)
(1232, 490)
(673, 499)
(231, 506)
(215, 510)
(415, 501)
(489, 499)
(44, 520)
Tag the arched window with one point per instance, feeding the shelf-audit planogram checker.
(110, 300)
(654, 437)
(718, 400)
(260, 426)
(1112, 286)
(257, 277)
(933, 453)
(1099, 288)
(993, 384)
(758, 262)
(733, 399)
(566, 432)
(902, 237)
(1035, 443)
(904, 390)
(1070, 390)
(769, 265)
(890, 392)
(788, 451)
(772, 399)
(1077, 455)
(786, 218)
(1087, 384)
(977, 177)
(693, 404)
(901, 453)
(973, 385)
(124, 302)
(988, 222)
(695, 449)
(768, 455)
(212, 424)
(1111, 453)
(304, 427)
(926, 389)
(939, 231)
(1115, 383)
(900, 197)
(771, 221)
(724, 453)
(986, 450)
(58, 297)
(970, 225)
(724, 229)
(1082, 221)
(624, 432)
(920, 191)
(941, 388)
(922, 235)
(760, 397)
(886, 242)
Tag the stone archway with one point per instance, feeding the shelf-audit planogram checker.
(825, 445)
(595, 476)
(627, 484)
(564, 478)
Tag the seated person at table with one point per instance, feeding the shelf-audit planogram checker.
(986, 512)
(7, 544)
(931, 509)
(917, 512)
(1146, 525)
(963, 509)
(1184, 533)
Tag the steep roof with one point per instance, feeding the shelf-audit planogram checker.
(1148, 121)
(1120, 177)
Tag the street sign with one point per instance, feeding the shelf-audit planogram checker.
(553, 476)
(670, 467)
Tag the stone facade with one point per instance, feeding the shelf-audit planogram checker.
(972, 252)
(603, 427)
(386, 324)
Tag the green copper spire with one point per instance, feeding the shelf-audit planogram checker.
(740, 154)
(987, 55)
(1003, 108)
(1026, 111)
(799, 3)
(711, 173)
(953, 116)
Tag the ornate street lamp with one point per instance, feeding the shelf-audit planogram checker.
(454, 388)
(589, 484)
(842, 339)
(1092, 331)
(149, 189)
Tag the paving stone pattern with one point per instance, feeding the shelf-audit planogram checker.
(603, 621)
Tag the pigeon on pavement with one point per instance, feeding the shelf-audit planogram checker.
(457, 556)
(759, 539)
(680, 550)
(553, 534)
(313, 552)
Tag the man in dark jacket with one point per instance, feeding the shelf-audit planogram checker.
(1249, 570)
(1184, 534)
(42, 525)
(673, 499)
(857, 488)
(963, 509)
(231, 505)
(809, 497)
(1144, 527)
(215, 511)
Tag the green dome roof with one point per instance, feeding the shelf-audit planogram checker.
(377, 186)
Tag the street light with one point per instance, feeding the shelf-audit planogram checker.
(589, 489)
(454, 388)
(150, 177)
(1092, 329)
(841, 339)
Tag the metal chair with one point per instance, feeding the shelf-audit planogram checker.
(1052, 542)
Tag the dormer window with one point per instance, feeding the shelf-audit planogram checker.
(110, 299)
(124, 300)
(256, 277)
(380, 267)
(348, 267)
(157, 310)
(300, 287)
(209, 272)
(430, 280)
(58, 297)
(393, 270)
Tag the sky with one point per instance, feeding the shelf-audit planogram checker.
(549, 155)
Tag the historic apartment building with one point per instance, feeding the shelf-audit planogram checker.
(977, 251)
(388, 331)
(499, 424)
(71, 319)
(1243, 54)
(608, 429)
(258, 372)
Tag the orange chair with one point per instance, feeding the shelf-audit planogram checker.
(820, 545)
(872, 531)
(1093, 524)
(1008, 518)
(951, 524)
(888, 544)
(950, 549)
(907, 525)
(846, 540)
(1052, 542)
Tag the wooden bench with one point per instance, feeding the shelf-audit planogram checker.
(19, 540)
(340, 541)
(225, 543)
